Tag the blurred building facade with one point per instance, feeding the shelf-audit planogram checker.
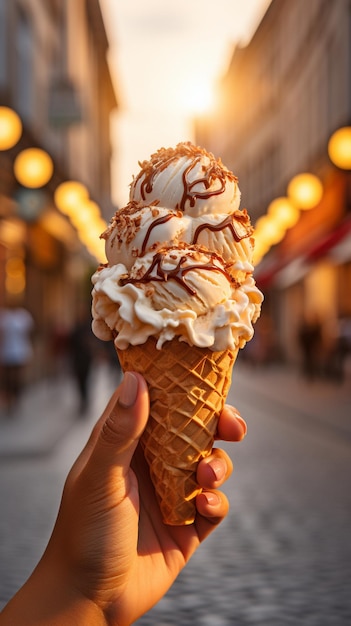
(283, 96)
(54, 74)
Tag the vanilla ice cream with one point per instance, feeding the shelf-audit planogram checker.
(186, 178)
(179, 258)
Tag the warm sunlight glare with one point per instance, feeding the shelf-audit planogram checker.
(197, 99)
(168, 58)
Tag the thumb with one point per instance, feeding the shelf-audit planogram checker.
(121, 428)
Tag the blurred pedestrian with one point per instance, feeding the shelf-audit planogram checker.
(81, 355)
(16, 351)
(310, 341)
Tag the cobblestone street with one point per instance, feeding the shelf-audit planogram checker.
(283, 555)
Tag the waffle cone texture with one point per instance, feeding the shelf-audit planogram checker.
(188, 387)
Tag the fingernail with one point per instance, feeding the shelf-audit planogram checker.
(219, 468)
(212, 498)
(128, 390)
(241, 421)
(243, 425)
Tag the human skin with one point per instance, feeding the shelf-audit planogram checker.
(110, 557)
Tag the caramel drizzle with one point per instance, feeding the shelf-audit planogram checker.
(212, 172)
(157, 222)
(177, 274)
(227, 223)
(147, 182)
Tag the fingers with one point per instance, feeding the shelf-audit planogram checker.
(212, 508)
(125, 423)
(231, 426)
(94, 436)
(214, 470)
(116, 435)
(212, 505)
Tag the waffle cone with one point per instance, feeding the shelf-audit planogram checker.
(188, 387)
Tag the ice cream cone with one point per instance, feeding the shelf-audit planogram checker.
(188, 386)
(179, 275)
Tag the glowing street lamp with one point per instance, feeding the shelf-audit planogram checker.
(84, 214)
(284, 212)
(69, 196)
(10, 128)
(33, 168)
(339, 148)
(305, 190)
(268, 231)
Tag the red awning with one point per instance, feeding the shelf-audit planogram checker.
(274, 271)
(327, 243)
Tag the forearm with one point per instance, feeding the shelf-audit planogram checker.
(46, 599)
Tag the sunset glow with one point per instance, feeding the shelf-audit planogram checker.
(166, 60)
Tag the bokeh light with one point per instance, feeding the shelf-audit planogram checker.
(284, 212)
(305, 190)
(268, 231)
(70, 195)
(33, 168)
(339, 148)
(10, 128)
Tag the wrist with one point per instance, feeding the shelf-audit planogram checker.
(49, 599)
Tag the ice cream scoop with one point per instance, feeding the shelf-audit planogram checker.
(186, 178)
(137, 228)
(179, 300)
(134, 239)
(184, 291)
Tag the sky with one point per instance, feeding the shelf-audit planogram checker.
(166, 59)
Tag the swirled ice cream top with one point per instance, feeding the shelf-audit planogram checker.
(186, 178)
(179, 257)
